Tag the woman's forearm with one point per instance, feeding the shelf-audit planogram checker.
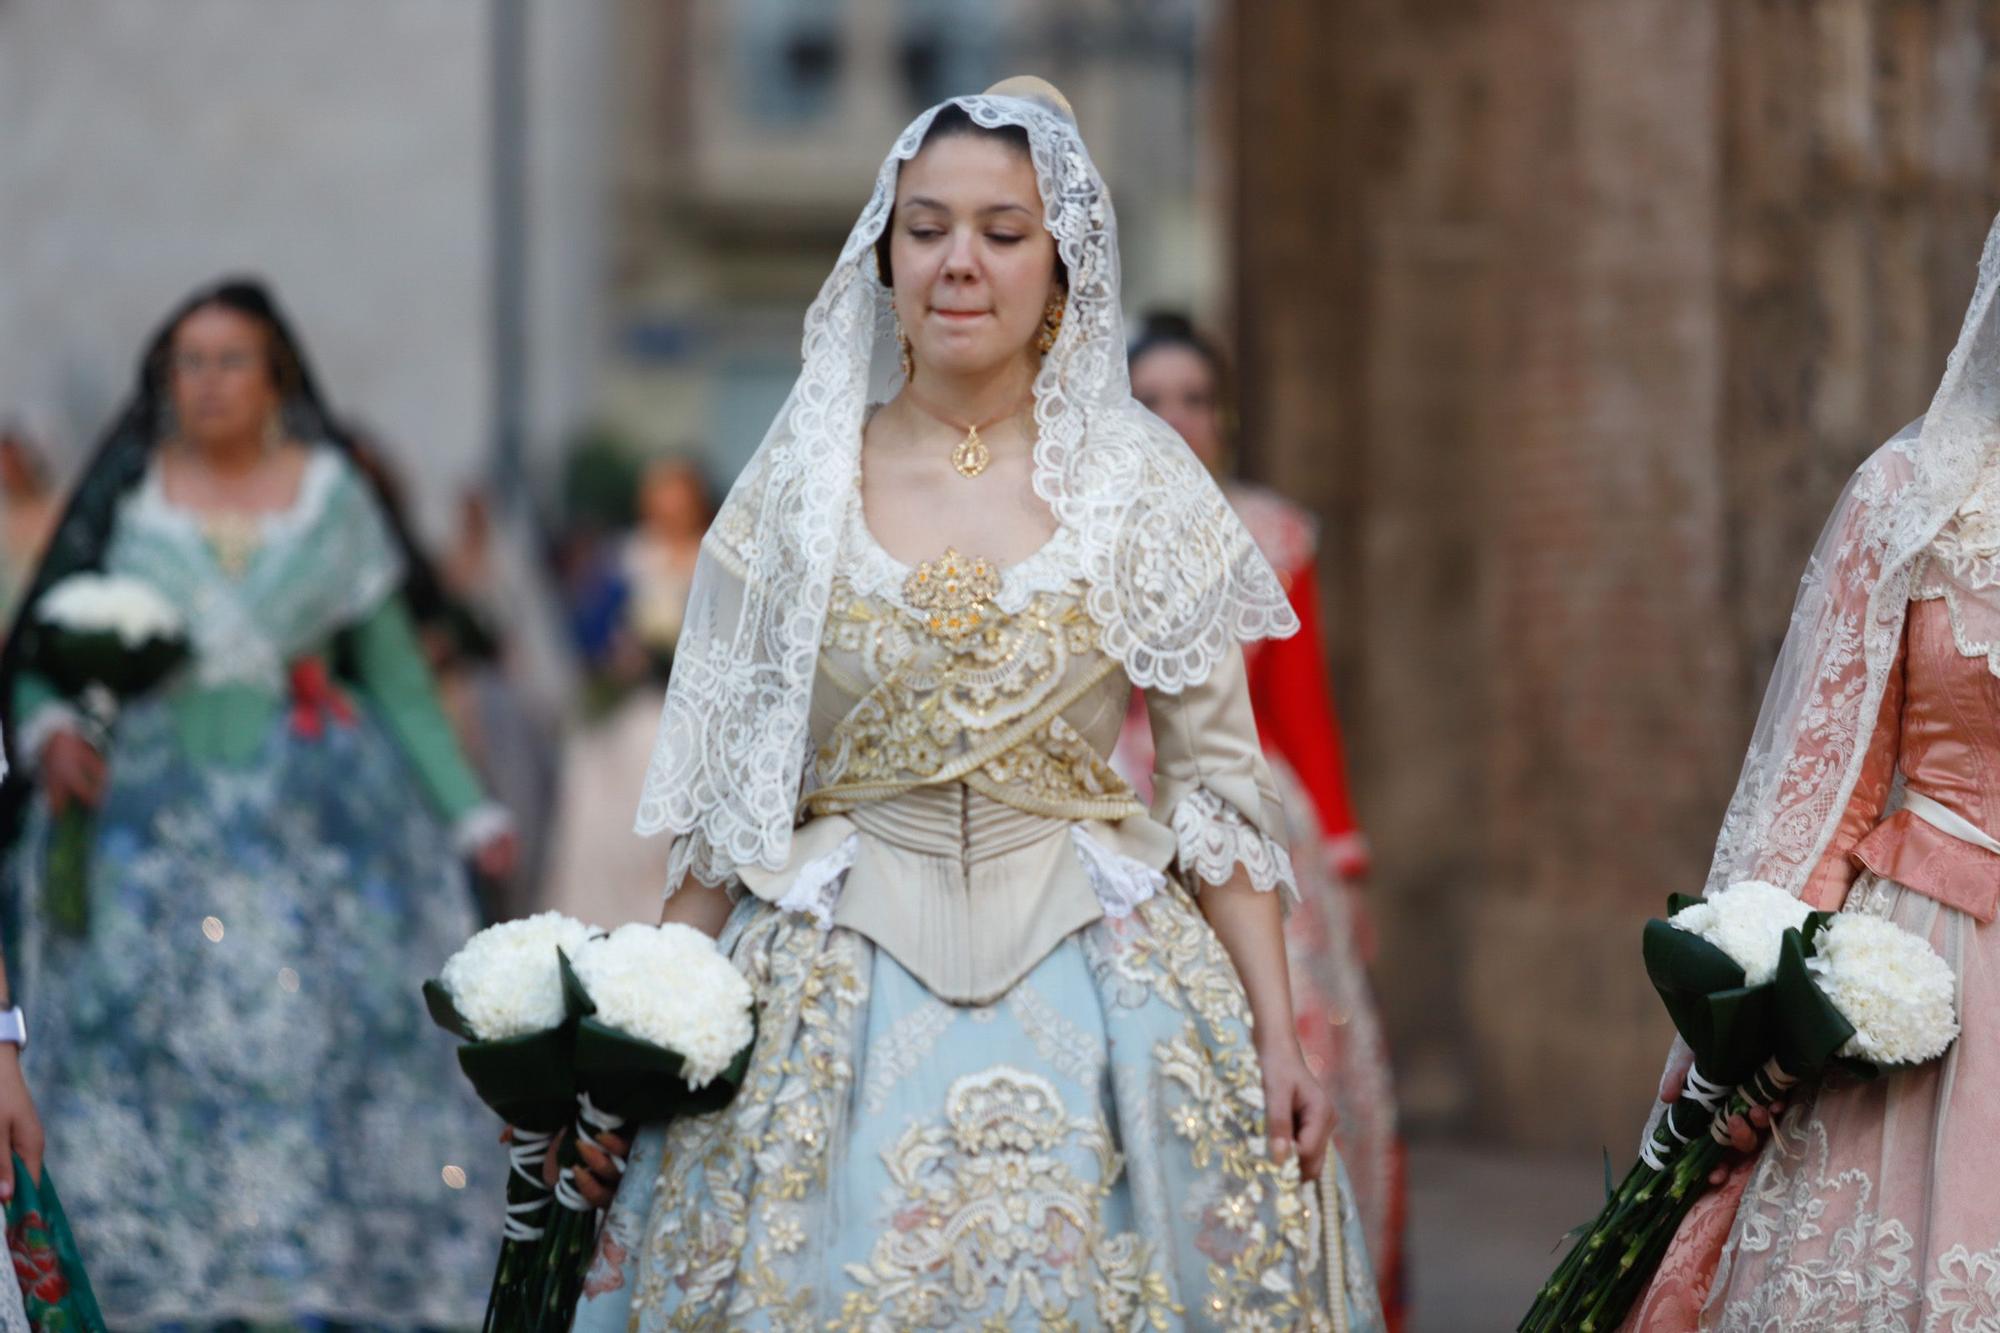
(696, 904)
(1250, 925)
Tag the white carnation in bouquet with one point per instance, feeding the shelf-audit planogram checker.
(1747, 921)
(670, 986)
(506, 981)
(1895, 989)
(110, 604)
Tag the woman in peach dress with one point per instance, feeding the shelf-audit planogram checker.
(1875, 1205)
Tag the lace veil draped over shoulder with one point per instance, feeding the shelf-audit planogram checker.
(1819, 710)
(1172, 580)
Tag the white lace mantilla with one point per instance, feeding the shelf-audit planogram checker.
(1962, 568)
(1169, 575)
(1215, 839)
(1826, 688)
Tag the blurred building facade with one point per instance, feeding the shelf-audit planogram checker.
(347, 150)
(1572, 321)
(749, 136)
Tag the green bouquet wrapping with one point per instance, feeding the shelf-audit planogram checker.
(55, 1293)
(104, 639)
(502, 994)
(665, 1025)
(1767, 993)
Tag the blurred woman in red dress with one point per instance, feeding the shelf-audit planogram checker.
(1180, 376)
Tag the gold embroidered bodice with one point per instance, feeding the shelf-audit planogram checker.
(960, 810)
(942, 685)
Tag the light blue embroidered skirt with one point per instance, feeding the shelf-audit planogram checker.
(1086, 1152)
(250, 1112)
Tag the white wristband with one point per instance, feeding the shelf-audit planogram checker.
(479, 826)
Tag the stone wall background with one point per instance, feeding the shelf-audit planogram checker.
(1571, 321)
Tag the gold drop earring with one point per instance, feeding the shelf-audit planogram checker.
(909, 354)
(1052, 318)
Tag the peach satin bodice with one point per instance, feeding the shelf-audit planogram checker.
(1939, 725)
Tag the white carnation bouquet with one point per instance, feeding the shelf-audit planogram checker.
(129, 609)
(1892, 986)
(664, 1028)
(100, 639)
(1748, 922)
(502, 994)
(1767, 993)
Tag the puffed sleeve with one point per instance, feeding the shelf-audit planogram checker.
(1212, 787)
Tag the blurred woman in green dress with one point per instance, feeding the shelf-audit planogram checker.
(254, 1119)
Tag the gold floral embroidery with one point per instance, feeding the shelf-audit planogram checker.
(1259, 1223)
(955, 592)
(997, 1204)
(991, 1211)
(923, 702)
(722, 1241)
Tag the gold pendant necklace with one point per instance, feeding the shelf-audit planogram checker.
(970, 456)
(234, 538)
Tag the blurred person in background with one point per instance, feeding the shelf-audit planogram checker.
(1026, 1055)
(258, 1121)
(600, 509)
(507, 679)
(28, 507)
(498, 652)
(1180, 376)
(603, 872)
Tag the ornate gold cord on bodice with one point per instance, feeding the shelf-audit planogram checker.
(956, 690)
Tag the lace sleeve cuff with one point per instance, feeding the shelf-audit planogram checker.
(690, 859)
(1215, 838)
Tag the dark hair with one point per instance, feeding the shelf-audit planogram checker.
(952, 122)
(1170, 328)
(239, 296)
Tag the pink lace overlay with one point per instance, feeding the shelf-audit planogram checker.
(1871, 1208)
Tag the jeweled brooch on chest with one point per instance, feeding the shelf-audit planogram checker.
(954, 592)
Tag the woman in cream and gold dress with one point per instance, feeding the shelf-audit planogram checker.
(1026, 1055)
